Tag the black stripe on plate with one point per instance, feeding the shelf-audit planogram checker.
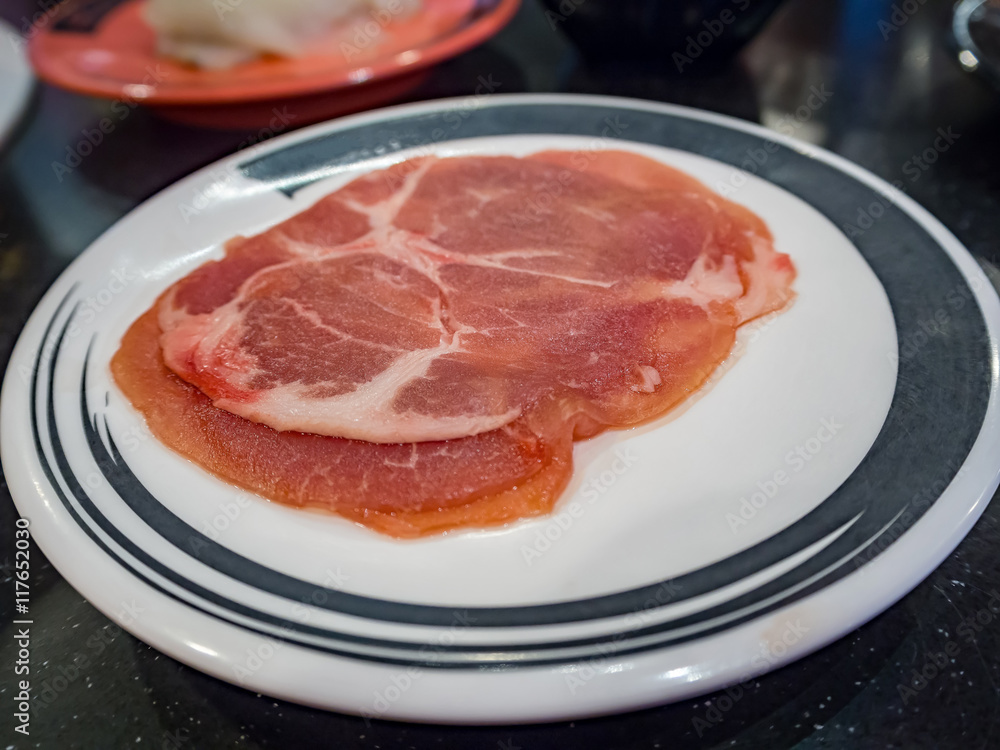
(942, 388)
(471, 657)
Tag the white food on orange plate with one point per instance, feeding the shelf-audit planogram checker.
(216, 35)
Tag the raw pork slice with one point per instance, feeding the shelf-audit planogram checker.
(404, 490)
(447, 298)
(418, 350)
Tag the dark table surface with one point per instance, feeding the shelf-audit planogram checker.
(892, 88)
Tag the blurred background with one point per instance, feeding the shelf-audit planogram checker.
(891, 85)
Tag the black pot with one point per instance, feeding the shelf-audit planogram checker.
(679, 33)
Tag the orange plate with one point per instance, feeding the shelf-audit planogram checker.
(116, 57)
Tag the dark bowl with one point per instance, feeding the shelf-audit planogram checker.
(681, 33)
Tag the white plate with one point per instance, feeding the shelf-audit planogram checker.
(835, 459)
(15, 79)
